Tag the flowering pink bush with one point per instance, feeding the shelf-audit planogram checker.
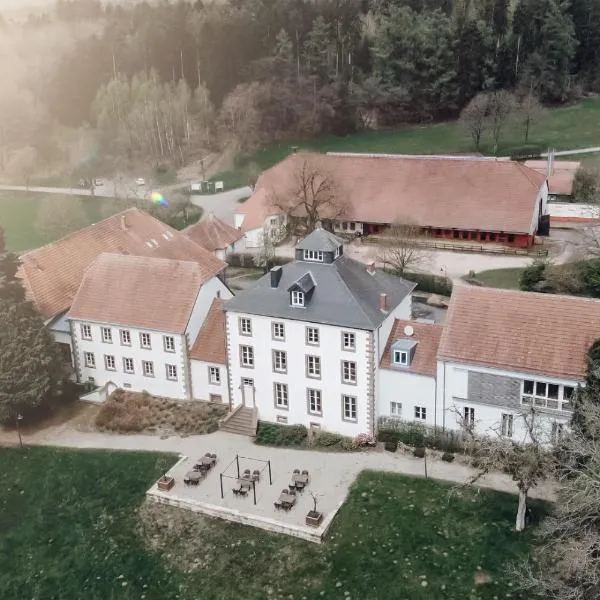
(364, 439)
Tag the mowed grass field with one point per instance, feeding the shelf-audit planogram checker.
(570, 127)
(73, 525)
(31, 220)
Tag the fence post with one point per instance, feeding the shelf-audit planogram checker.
(237, 461)
(221, 478)
(270, 480)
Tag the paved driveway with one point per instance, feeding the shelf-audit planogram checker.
(223, 205)
(342, 466)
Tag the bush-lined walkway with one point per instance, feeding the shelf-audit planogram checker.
(227, 444)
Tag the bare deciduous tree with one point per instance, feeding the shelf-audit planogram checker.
(403, 252)
(474, 117)
(567, 565)
(526, 463)
(530, 110)
(311, 197)
(501, 106)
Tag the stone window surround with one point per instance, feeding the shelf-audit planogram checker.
(249, 364)
(316, 334)
(350, 370)
(314, 413)
(316, 364)
(216, 371)
(245, 326)
(283, 354)
(353, 401)
(352, 336)
(274, 326)
(107, 358)
(284, 394)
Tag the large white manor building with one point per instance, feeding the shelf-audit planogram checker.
(324, 341)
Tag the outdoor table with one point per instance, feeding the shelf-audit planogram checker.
(245, 483)
(208, 460)
(287, 500)
(298, 478)
(193, 477)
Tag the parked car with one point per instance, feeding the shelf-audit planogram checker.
(140, 181)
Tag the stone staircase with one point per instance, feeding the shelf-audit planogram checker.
(242, 420)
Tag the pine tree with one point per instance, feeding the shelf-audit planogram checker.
(318, 49)
(30, 368)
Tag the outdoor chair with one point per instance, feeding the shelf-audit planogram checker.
(285, 491)
(246, 471)
(305, 472)
(292, 486)
(292, 492)
(256, 475)
(277, 504)
(299, 486)
(296, 471)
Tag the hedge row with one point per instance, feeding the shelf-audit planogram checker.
(296, 436)
(411, 434)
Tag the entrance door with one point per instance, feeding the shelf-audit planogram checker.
(248, 391)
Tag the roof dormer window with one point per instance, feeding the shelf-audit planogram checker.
(401, 358)
(313, 255)
(297, 298)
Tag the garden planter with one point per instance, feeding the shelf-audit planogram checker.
(314, 518)
(166, 483)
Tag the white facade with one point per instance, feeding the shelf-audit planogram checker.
(113, 361)
(162, 369)
(406, 396)
(210, 381)
(346, 408)
(495, 415)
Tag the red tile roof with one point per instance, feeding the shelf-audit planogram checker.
(52, 274)
(448, 192)
(210, 345)
(138, 291)
(560, 183)
(213, 234)
(427, 336)
(545, 334)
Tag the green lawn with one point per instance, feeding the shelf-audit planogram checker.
(575, 126)
(70, 528)
(20, 216)
(501, 278)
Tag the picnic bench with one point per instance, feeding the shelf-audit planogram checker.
(193, 477)
(286, 500)
(299, 480)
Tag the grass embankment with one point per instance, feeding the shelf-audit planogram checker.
(29, 221)
(570, 127)
(132, 412)
(501, 278)
(71, 528)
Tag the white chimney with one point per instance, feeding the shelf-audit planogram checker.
(123, 223)
(383, 302)
(371, 267)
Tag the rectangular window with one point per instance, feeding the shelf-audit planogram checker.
(557, 433)
(247, 356)
(145, 341)
(171, 372)
(348, 371)
(544, 395)
(214, 375)
(278, 331)
(128, 365)
(313, 398)
(349, 408)
(106, 335)
(568, 392)
(469, 416)
(401, 358)
(348, 340)
(420, 413)
(314, 255)
(169, 343)
(313, 366)
(280, 394)
(396, 409)
(86, 332)
(109, 362)
(297, 298)
(148, 368)
(279, 361)
(89, 359)
(125, 336)
(245, 326)
(507, 425)
(312, 336)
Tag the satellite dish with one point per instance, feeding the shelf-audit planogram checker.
(408, 330)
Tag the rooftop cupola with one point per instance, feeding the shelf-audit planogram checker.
(320, 246)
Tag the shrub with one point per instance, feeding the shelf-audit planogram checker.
(412, 434)
(532, 276)
(391, 446)
(364, 439)
(433, 284)
(274, 434)
(327, 439)
(447, 457)
(419, 452)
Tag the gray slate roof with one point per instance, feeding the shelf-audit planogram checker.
(319, 239)
(345, 294)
